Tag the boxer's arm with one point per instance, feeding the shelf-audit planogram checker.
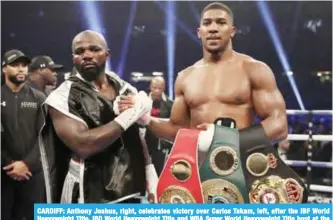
(79, 138)
(167, 128)
(268, 102)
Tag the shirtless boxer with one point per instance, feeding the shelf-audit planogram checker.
(222, 84)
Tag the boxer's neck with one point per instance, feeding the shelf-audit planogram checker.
(99, 81)
(225, 54)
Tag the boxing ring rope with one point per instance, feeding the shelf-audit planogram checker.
(316, 112)
(305, 137)
(320, 188)
(310, 138)
(303, 163)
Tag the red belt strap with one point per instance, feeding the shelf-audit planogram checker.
(185, 148)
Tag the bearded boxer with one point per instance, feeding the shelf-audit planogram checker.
(224, 83)
(98, 156)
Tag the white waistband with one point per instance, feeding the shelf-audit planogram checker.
(74, 169)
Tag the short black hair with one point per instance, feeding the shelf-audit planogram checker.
(218, 5)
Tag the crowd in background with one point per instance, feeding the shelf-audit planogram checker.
(298, 150)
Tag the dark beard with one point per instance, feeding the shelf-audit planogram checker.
(90, 74)
(14, 80)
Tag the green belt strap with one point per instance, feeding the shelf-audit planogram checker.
(227, 137)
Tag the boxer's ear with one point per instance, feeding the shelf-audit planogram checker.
(233, 31)
(199, 33)
(108, 53)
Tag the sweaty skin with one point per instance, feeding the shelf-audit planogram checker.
(223, 84)
(238, 89)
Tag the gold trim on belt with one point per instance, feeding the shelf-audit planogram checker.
(177, 194)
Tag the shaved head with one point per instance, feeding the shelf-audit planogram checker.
(158, 79)
(157, 87)
(89, 35)
(90, 53)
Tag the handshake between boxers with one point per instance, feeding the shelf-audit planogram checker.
(135, 108)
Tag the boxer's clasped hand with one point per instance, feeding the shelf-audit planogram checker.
(126, 102)
(122, 103)
(141, 104)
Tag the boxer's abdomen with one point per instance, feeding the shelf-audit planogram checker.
(209, 112)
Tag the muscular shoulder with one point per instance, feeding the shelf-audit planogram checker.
(258, 71)
(182, 77)
(188, 70)
(253, 66)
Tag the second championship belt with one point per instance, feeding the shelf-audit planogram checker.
(221, 173)
(269, 179)
(180, 181)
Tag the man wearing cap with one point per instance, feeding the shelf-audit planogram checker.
(22, 181)
(42, 73)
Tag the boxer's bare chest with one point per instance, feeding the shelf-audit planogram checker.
(226, 84)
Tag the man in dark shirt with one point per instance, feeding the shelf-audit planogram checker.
(42, 73)
(22, 177)
(158, 149)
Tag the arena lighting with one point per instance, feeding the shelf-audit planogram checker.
(324, 76)
(313, 24)
(266, 16)
(181, 24)
(324, 73)
(157, 74)
(295, 23)
(170, 21)
(195, 11)
(124, 49)
(137, 74)
(152, 75)
(91, 13)
(144, 77)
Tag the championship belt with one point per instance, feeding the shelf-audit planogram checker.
(221, 173)
(179, 181)
(268, 178)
